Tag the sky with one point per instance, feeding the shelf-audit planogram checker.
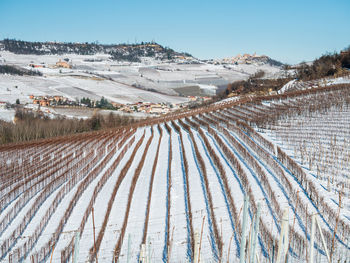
(290, 31)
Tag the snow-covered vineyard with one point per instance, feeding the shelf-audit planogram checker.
(173, 189)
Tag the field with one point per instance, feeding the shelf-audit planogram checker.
(97, 75)
(172, 189)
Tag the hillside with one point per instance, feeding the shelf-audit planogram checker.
(124, 52)
(159, 188)
(123, 74)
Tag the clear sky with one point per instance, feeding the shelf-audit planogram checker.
(287, 30)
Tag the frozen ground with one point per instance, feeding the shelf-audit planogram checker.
(7, 114)
(116, 81)
(195, 208)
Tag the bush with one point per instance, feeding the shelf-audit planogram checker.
(326, 66)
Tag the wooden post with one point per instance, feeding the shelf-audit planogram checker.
(336, 227)
(312, 239)
(243, 238)
(53, 249)
(143, 257)
(170, 244)
(93, 228)
(284, 238)
(200, 241)
(255, 235)
(229, 246)
(196, 247)
(323, 241)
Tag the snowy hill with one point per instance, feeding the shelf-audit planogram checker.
(159, 188)
(95, 70)
(125, 52)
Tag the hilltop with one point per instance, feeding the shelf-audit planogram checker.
(249, 59)
(124, 52)
(121, 73)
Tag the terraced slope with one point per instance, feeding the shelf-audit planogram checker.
(157, 188)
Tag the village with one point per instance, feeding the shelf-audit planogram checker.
(143, 107)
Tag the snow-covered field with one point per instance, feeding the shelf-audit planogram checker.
(154, 191)
(7, 114)
(156, 81)
(295, 85)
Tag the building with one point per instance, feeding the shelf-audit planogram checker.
(158, 109)
(36, 66)
(3, 105)
(63, 64)
(44, 103)
(116, 104)
(58, 98)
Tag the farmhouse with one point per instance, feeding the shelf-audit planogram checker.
(63, 64)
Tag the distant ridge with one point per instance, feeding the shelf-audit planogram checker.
(125, 52)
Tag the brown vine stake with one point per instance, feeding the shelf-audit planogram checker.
(38, 201)
(53, 249)
(111, 200)
(312, 192)
(137, 173)
(169, 186)
(93, 228)
(265, 233)
(50, 175)
(335, 229)
(222, 174)
(202, 167)
(151, 188)
(68, 250)
(177, 128)
(170, 245)
(200, 241)
(229, 248)
(90, 175)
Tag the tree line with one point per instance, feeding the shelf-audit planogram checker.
(122, 52)
(12, 70)
(254, 84)
(327, 65)
(32, 126)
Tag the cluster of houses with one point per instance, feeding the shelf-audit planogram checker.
(144, 107)
(45, 101)
(159, 108)
(59, 64)
(148, 107)
(241, 59)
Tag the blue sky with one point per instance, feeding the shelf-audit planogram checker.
(289, 31)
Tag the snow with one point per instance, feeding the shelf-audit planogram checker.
(138, 205)
(221, 211)
(286, 86)
(178, 220)
(114, 224)
(116, 80)
(198, 200)
(7, 114)
(157, 222)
